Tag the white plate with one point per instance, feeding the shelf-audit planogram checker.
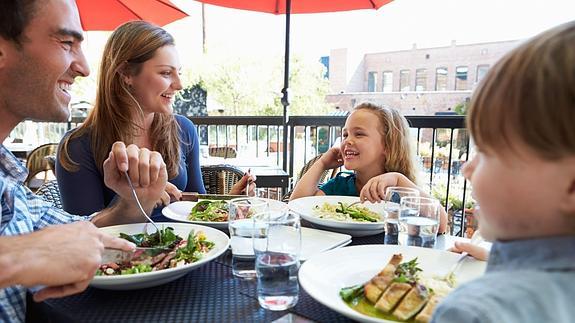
(324, 275)
(313, 242)
(179, 211)
(155, 278)
(305, 207)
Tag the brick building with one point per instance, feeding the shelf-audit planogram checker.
(416, 81)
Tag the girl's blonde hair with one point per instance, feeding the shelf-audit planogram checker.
(112, 118)
(529, 96)
(394, 129)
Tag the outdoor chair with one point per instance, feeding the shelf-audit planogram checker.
(225, 152)
(50, 192)
(39, 161)
(219, 179)
(305, 168)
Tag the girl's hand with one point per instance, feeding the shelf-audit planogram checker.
(171, 193)
(374, 189)
(332, 158)
(473, 250)
(239, 188)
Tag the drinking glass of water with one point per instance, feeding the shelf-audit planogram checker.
(418, 221)
(240, 225)
(277, 246)
(393, 196)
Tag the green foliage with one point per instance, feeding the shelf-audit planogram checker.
(244, 85)
(461, 107)
(252, 86)
(454, 201)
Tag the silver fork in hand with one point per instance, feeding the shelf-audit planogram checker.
(476, 239)
(140, 206)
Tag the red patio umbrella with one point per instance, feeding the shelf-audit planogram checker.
(109, 14)
(295, 6)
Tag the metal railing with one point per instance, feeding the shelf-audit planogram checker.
(438, 139)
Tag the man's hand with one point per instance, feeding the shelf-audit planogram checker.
(146, 168)
(64, 258)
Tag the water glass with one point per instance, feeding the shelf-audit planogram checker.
(393, 196)
(240, 226)
(277, 246)
(418, 221)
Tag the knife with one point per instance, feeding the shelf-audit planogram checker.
(120, 256)
(194, 197)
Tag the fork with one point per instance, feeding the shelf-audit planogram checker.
(248, 182)
(475, 240)
(140, 206)
(355, 203)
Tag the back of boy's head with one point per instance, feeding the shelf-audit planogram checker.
(529, 96)
(394, 130)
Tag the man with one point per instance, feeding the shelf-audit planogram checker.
(41, 246)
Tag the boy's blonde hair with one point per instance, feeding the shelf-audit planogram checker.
(529, 95)
(399, 156)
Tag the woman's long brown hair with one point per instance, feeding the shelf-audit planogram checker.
(113, 116)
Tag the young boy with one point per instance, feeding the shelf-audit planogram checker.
(522, 119)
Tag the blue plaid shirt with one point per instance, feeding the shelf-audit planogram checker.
(22, 212)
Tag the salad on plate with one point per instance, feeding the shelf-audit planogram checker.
(172, 251)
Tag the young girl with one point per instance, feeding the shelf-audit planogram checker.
(377, 148)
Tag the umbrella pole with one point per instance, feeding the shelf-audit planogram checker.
(285, 99)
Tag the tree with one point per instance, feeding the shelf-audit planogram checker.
(251, 86)
(462, 107)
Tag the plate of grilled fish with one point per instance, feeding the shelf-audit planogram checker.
(385, 283)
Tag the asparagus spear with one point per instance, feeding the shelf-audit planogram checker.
(348, 294)
(354, 214)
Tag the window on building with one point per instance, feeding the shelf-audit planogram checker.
(388, 81)
(421, 79)
(404, 80)
(371, 81)
(441, 79)
(481, 71)
(461, 78)
(324, 60)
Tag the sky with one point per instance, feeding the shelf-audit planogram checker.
(429, 23)
(395, 26)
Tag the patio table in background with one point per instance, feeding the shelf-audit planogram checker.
(268, 176)
(207, 294)
(20, 150)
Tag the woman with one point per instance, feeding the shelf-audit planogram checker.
(138, 80)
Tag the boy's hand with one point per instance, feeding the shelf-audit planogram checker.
(332, 158)
(473, 250)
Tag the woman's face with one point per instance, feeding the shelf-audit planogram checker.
(155, 86)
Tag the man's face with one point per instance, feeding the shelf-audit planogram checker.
(35, 79)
